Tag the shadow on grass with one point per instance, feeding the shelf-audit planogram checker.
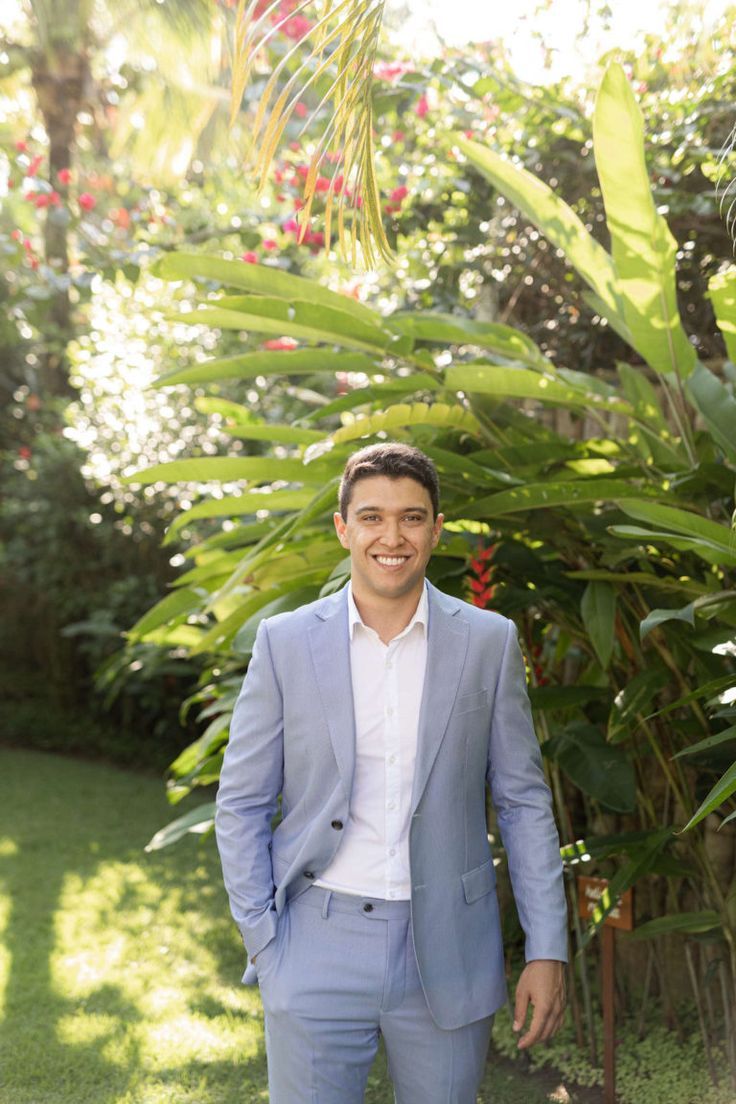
(121, 969)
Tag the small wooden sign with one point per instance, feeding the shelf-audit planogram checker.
(590, 894)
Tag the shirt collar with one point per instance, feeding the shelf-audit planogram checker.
(420, 614)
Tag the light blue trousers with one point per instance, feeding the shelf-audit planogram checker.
(340, 970)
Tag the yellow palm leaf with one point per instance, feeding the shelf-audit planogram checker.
(341, 43)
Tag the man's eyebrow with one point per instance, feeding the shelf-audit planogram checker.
(403, 510)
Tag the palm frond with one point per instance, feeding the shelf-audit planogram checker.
(726, 185)
(339, 47)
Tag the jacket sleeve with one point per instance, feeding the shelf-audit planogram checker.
(523, 804)
(250, 783)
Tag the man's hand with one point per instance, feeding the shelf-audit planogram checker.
(543, 984)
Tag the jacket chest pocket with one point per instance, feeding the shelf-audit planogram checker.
(478, 882)
(468, 703)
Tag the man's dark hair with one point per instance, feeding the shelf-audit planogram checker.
(395, 460)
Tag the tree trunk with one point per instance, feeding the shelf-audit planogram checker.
(59, 79)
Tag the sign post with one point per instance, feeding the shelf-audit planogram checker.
(591, 896)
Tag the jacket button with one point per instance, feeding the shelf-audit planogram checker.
(308, 874)
(337, 825)
(368, 907)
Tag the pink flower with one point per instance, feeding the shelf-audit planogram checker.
(16, 235)
(322, 184)
(34, 165)
(270, 244)
(42, 200)
(54, 199)
(64, 176)
(21, 146)
(300, 109)
(291, 226)
(399, 193)
(422, 106)
(296, 27)
(391, 71)
(250, 257)
(280, 344)
(398, 136)
(87, 202)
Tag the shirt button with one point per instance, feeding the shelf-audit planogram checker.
(391, 805)
(389, 712)
(392, 758)
(392, 851)
(367, 907)
(308, 874)
(337, 825)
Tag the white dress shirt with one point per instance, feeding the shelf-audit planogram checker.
(387, 680)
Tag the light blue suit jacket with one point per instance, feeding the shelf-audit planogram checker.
(293, 733)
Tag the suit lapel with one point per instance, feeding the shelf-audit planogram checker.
(447, 645)
(329, 642)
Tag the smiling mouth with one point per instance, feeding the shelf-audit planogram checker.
(391, 561)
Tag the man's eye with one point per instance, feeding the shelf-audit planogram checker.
(413, 517)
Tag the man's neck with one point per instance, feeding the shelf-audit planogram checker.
(387, 616)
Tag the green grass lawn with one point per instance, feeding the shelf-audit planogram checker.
(119, 971)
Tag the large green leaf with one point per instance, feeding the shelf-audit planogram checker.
(598, 609)
(454, 329)
(170, 610)
(523, 383)
(683, 923)
(262, 279)
(409, 414)
(722, 294)
(282, 434)
(238, 505)
(553, 217)
(197, 820)
(707, 551)
(657, 617)
(728, 736)
(229, 469)
(716, 405)
(684, 521)
(536, 496)
(295, 362)
(600, 770)
(275, 316)
(641, 243)
(723, 789)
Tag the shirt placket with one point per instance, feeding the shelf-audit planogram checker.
(392, 768)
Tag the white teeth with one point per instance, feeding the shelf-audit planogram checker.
(391, 561)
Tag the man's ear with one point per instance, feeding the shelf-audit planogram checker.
(340, 529)
(437, 529)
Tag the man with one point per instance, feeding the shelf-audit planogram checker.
(378, 714)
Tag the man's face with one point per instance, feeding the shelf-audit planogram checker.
(390, 534)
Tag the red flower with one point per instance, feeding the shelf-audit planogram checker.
(322, 184)
(398, 136)
(291, 226)
(399, 193)
(300, 109)
(296, 27)
(16, 235)
(54, 199)
(391, 71)
(34, 165)
(270, 244)
(280, 344)
(64, 176)
(316, 240)
(250, 257)
(42, 200)
(422, 106)
(21, 146)
(87, 202)
(24, 452)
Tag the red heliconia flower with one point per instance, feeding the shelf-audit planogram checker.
(249, 257)
(87, 202)
(64, 176)
(270, 244)
(280, 344)
(422, 106)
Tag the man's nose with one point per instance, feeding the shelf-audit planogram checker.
(392, 536)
